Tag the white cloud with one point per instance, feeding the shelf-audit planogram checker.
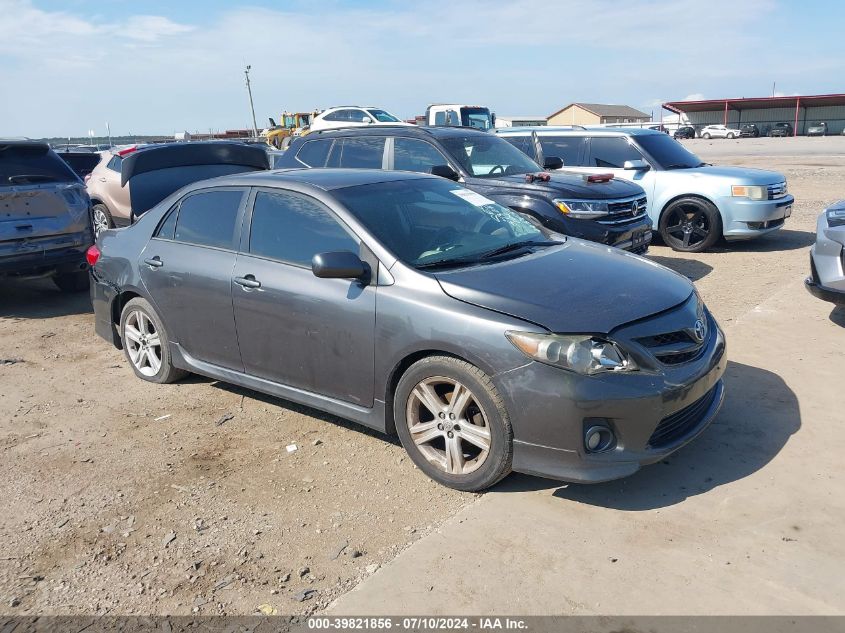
(695, 96)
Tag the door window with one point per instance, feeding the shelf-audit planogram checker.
(364, 152)
(337, 115)
(293, 228)
(567, 148)
(410, 154)
(524, 144)
(314, 153)
(208, 218)
(611, 151)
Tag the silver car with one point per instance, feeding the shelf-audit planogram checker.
(827, 256)
(691, 203)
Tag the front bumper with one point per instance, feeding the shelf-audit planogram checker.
(634, 236)
(744, 219)
(550, 410)
(827, 263)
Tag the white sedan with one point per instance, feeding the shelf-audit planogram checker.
(719, 131)
(353, 116)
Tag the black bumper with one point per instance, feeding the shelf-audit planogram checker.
(825, 294)
(41, 262)
(634, 236)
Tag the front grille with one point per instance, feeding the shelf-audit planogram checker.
(777, 190)
(673, 348)
(621, 211)
(666, 339)
(681, 422)
(677, 359)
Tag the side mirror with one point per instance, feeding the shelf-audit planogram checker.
(553, 162)
(338, 265)
(636, 165)
(445, 171)
(366, 120)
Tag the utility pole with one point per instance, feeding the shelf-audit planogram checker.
(773, 88)
(251, 106)
(108, 129)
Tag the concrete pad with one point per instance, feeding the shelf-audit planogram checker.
(746, 520)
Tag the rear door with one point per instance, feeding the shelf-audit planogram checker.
(293, 328)
(187, 269)
(117, 195)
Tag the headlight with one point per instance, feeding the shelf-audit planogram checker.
(582, 209)
(582, 354)
(836, 217)
(755, 192)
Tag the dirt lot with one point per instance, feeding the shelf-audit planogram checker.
(122, 497)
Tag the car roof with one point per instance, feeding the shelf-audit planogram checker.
(19, 142)
(442, 131)
(321, 178)
(591, 131)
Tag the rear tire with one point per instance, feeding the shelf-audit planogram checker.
(731, 136)
(146, 343)
(72, 282)
(706, 135)
(453, 423)
(690, 225)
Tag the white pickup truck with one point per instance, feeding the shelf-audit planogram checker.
(454, 114)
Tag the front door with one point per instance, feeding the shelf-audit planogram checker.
(187, 270)
(294, 328)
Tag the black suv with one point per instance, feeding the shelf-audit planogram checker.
(592, 207)
(749, 130)
(781, 129)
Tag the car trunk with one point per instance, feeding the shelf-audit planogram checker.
(29, 213)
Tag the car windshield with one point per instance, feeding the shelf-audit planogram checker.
(383, 117)
(32, 164)
(476, 117)
(486, 156)
(667, 152)
(430, 222)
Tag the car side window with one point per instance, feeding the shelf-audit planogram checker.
(167, 229)
(292, 228)
(208, 218)
(611, 151)
(567, 148)
(337, 115)
(411, 154)
(314, 153)
(359, 116)
(114, 163)
(363, 152)
(524, 144)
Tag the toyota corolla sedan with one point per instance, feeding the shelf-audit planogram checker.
(417, 307)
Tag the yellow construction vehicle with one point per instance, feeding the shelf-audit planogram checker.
(292, 124)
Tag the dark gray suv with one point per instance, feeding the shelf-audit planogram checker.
(45, 216)
(414, 306)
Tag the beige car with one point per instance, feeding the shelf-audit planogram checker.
(109, 201)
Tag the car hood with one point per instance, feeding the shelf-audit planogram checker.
(564, 184)
(577, 287)
(738, 175)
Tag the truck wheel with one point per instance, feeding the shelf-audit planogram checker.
(72, 282)
(690, 225)
(146, 343)
(453, 423)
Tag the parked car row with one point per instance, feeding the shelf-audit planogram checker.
(411, 303)
(750, 130)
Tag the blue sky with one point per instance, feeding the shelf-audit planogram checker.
(159, 67)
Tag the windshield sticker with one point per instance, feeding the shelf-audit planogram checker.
(475, 199)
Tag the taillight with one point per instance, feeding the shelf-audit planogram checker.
(127, 150)
(92, 255)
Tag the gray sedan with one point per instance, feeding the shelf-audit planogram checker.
(827, 256)
(414, 306)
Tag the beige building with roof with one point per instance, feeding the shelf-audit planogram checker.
(597, 114)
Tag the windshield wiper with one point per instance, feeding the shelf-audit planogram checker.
(447, 263)
(679, 166)
(515, 246)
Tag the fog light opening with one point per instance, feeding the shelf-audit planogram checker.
(598, 439)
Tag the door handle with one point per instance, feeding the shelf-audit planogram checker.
(249, 282)
(154, 263)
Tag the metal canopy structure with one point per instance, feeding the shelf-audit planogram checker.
(795, 103)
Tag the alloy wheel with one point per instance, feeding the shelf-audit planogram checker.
(101, 222)
(143, 343)
(689, 225)
(448, 425)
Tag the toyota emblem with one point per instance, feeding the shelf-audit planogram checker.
(699, 330)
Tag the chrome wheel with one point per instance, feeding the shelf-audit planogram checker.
(142, 343)
(448, 425)
(101, 221)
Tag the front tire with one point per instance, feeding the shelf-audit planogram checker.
(690, 225)
(453, 423)
(731, 136)
(72, 282)
(145, 343)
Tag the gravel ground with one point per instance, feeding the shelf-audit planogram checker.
(128, 498)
